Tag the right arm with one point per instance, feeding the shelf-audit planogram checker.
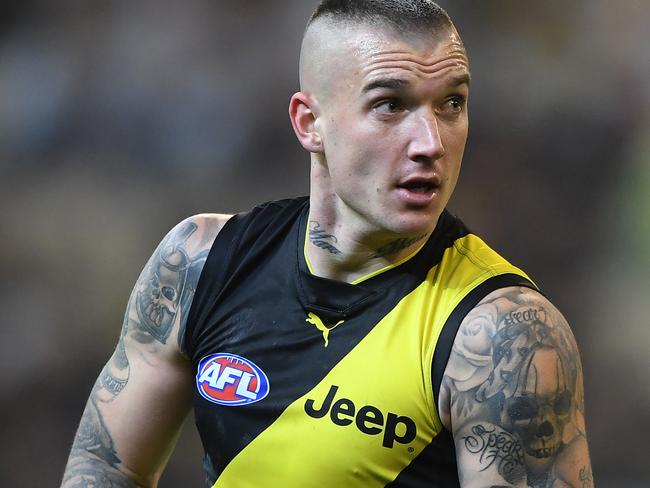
(136, 408)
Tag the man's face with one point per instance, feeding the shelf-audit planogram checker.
(393, 123)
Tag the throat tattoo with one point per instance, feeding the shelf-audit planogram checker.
(396, 246)
(321, 239)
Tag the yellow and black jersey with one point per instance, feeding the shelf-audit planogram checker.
(302, 381)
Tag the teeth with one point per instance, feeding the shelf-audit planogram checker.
(543, 452)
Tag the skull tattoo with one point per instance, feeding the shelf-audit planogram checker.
(159, 300)
(539, 409)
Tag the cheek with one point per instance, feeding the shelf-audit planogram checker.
(455, 137)
(454, 150)
(353, 153)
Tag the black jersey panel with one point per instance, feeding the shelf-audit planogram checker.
(435, 467)
(220, 262)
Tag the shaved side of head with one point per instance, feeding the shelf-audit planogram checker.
(319, 47)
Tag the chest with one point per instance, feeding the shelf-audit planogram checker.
(315, 386)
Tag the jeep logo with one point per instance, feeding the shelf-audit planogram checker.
(368, 419)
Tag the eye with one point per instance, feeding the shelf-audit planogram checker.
(454, 105)
(388, 106)
(169, 293)
(562, 403)
(522, 408)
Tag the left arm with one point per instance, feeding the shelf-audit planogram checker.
(512, 396)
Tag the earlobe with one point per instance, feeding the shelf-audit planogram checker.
(303, 120)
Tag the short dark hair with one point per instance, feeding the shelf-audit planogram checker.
(401, 14)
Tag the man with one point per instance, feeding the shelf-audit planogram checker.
(361, 337)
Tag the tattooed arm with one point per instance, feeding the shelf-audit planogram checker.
(512, 396)
(143, 394)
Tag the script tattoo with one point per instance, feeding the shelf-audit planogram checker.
(496, 446)
(525, 315)
(396, 246)
(110, 379)
(514, 365)
(115, 375)
(320, 238)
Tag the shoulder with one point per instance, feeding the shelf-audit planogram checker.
(191, 237)
(467, 265)
(209, 219)
(205, 226)
(475, 259)
(264, 222)
(164, 291)
(497, 342)
(187, 244)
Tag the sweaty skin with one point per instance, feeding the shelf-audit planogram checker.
(384, 117)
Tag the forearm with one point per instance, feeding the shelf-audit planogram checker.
(84, 470)
(93, 460)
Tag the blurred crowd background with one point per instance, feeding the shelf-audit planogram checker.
(120, 118)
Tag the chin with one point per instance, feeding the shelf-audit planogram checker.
(415, 226)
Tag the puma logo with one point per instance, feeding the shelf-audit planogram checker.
(312, 318)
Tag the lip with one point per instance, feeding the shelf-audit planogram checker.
(418, 198)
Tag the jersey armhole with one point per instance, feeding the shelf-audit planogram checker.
(447, 336)
(211, 279)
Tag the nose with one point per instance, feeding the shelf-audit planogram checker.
(545, 429)
(426, 143)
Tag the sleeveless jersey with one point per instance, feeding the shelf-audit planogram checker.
(303, 381)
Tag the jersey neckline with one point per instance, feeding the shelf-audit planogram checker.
(335, 300)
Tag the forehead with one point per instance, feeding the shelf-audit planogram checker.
(370, 53)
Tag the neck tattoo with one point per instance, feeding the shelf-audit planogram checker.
(321, 239)
(397, 245)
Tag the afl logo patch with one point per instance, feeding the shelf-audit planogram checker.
(228, 379)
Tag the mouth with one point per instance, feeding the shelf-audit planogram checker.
(418, 190)
(543, 452)
(420, 183)
(418, 187)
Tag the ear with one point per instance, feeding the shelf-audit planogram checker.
(303, 120)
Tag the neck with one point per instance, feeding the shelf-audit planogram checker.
(346, 251)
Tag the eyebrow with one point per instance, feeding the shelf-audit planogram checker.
(463, 79)
(390, 83)
(398, 83)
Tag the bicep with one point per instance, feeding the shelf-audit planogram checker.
(514, 394)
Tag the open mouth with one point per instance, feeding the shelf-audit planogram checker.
(419, 187)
